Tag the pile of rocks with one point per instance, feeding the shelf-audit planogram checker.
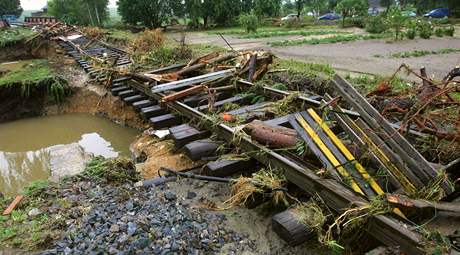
(130, 220)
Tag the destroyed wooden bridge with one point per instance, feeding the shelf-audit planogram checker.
(171, 96)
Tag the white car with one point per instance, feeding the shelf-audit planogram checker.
(289, 17)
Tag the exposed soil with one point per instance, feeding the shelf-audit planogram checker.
(13, 106)
(21, 51)
(358, 56)
(160, 154)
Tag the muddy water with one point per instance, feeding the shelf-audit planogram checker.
(27, 146)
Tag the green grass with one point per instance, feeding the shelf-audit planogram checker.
(13, 36)
(119, 35)
(265, 29)
(305, 68)
(291, 33)
(367, 83)
(328, 40)
(31, 72)
(421, 53)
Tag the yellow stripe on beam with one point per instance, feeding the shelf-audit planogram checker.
(375, 186)
(328, 153)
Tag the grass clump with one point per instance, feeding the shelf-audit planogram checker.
(328, 40)
(13, 36)
(291, 33)
(421, 53)
(115, 170)
(306, 68)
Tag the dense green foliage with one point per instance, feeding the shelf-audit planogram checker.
(12, 7)
(350, 8)
(81, 12)
(375, 25)
(150, 13)
(396, 21)
(249, 21)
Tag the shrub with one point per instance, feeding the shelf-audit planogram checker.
(375, 25)
(356, 22)
(439, 32)
(249, 21)
(396, 20)
(411, 33)
(449, 31)
(424, 28)
(443, 21)
(147, 41)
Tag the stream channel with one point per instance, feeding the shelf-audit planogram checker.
(54, 146)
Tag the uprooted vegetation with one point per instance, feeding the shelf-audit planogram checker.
(41, 217)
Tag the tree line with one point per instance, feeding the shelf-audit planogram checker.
(155, 13)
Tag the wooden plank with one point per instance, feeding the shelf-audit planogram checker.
(201, 148)
(117, 90)
(184, 137)
(130, 100)
(165, 69)
(164, 121)
(13, 204)
(193, 80)
(127, 93)
(153, 111)
(142, 104)
(222, 168)
(378, 122)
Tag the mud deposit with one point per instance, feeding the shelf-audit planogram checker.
(36, 148)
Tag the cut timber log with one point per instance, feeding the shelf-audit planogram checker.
(275, 137)
(289, 228)
(196, 67)
(201, 148)
(197, 100)
(222, 168)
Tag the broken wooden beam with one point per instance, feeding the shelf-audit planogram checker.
(13, 204)
(184, 93)
(192, 81)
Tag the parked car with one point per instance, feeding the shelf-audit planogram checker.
(289, 17)
(410, 14)
(329, 16)
(373, 11)
(438, 13)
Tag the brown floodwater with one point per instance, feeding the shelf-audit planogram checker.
(24, 145)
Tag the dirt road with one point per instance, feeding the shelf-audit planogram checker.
(371, 56)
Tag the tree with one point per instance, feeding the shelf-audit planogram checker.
(267, 7)
(317, 6)
(349, 8)
(299, 6)
(12, 7)
(150, 13)
(82, 12)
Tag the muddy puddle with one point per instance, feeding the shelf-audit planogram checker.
(54, 146)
